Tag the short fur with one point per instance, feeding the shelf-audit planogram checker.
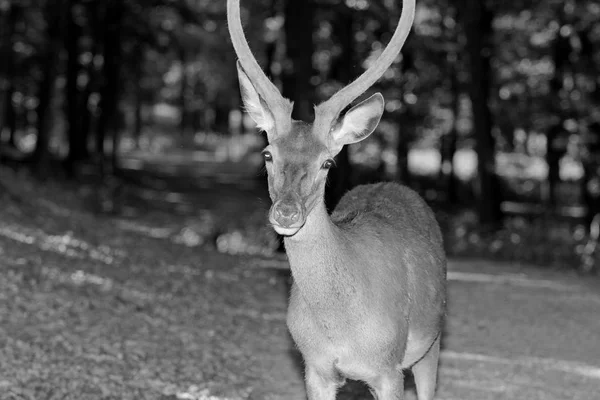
(369, 291)
(368, 297)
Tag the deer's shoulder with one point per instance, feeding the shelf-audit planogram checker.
(387, 202)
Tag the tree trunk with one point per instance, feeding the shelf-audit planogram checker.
(139, 101)
(110, 91)
(8, 118)
(271, 45)
(185, 96)
(344, 71)
(54, 15)
(478, 23)
(297, 86)
(406, 126)
(405, 118)
(77, 143)
(554, 152)
(449, 139)
(96, 34)
(556, 142)
(590, 183)
(222, 109)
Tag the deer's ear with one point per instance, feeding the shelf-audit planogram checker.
(360, 121)
(253, 103)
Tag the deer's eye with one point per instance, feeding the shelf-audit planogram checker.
(267, 156)
(327, 164)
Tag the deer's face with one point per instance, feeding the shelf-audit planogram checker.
(297, 164)
(300, 154)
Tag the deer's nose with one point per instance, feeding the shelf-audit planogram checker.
(286, 214)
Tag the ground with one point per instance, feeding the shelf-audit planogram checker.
(140, 305)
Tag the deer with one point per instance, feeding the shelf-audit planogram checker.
(368, 297)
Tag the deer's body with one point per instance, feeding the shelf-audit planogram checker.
(369, 282)
(365, 283)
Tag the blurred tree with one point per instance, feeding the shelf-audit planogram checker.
(77, 135)
(186, 91)
(271, 39)
(107, 121)
(453, 39)
(406, 117)
(139, 93)
(298, 67)
(89, 71)
(54, 20)
(10, 16)
(344, 71)
(478, 19)
(556, 135)
(587, 40)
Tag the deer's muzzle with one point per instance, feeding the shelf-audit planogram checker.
(287, 216)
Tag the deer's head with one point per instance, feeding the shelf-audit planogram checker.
(299, 153)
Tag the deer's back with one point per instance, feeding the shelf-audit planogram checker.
(396, 231)
(388, 204)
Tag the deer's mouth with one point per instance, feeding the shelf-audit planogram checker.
(287, 217)
(286, 231)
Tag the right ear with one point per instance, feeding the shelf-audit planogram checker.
(359, 122)
(254, 104)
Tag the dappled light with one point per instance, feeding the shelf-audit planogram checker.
(63, 244)
(140, 205)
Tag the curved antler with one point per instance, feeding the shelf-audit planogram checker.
(280, 107)
(332, 107)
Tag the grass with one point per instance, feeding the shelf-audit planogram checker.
(140, 305)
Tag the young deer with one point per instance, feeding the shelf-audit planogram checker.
(368, 297)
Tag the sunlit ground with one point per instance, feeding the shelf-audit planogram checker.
(106, 307)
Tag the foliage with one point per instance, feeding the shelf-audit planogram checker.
(129, 73)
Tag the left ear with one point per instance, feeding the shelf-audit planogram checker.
(254, 104)
(360, 121)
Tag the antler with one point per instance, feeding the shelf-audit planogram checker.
(329, 110)
(280, 107)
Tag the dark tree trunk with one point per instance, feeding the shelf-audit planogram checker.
(478, 23)
(107, 122)
(96, 33)
(8, 120)
(406, 119)
(77, 142)
(344, 71)
(10, 117)
(54, 14)
(406, 129)
(527, 122)
(554, 152)
(590, 183)
(449, 139)
(222, 110)
(556, 141)
(271, 53)
(185, 97)
(271, 46)
(402, 148)
(139, 100)
(297, 86)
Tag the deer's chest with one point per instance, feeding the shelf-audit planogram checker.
(340, 337)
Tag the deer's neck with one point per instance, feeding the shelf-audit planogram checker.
(318, 256)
